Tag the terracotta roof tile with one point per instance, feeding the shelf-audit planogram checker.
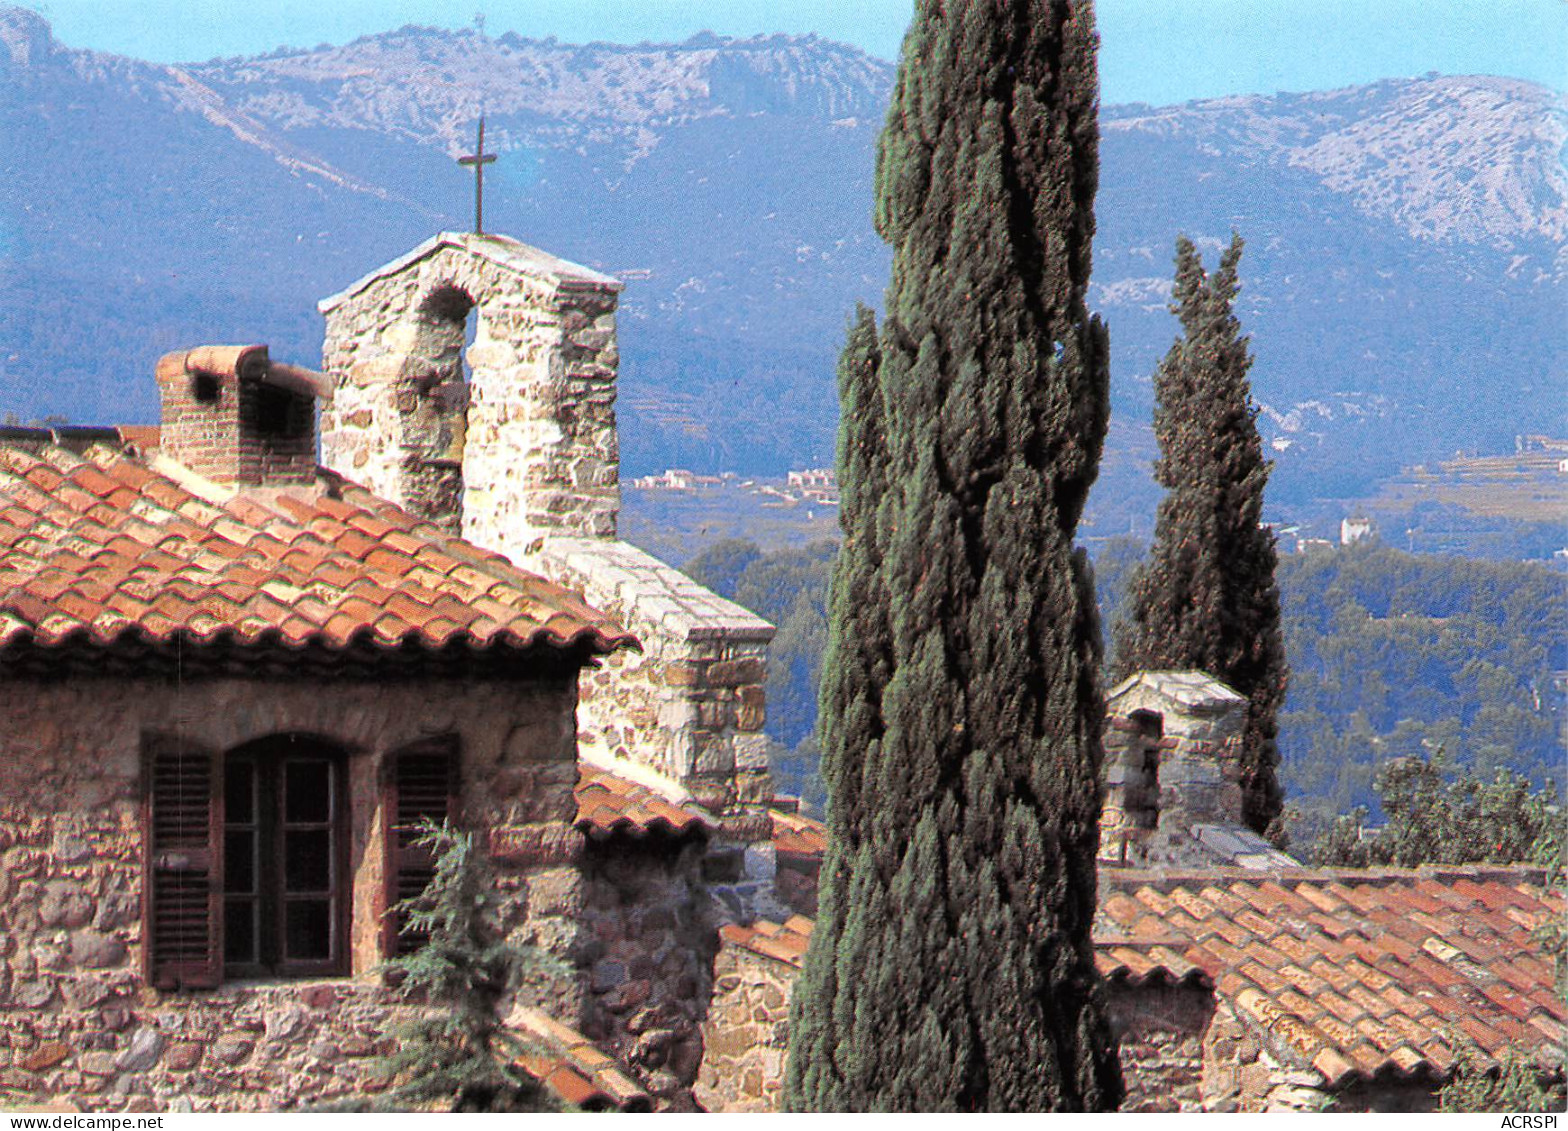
(798, 835)
(1353, 973)
(608, 804)
(249, 565)
(786, 942)
(572, 1067)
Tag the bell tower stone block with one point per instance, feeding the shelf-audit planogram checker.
(521, 446)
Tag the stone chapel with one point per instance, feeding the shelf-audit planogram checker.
(243, 651)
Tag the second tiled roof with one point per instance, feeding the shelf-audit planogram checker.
(1352, 972)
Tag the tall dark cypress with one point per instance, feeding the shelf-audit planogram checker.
(1207, 598)
(951, 966)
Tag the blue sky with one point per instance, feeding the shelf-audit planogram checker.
(1155, 51)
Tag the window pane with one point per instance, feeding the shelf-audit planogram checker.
(307, 929)
(239, 930)
(307, 860)
(239, 791)
(239, 862)
(307, 791)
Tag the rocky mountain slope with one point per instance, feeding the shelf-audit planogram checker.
(1404, 279)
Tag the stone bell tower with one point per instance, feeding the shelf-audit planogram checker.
(521, 456)
(524, 447)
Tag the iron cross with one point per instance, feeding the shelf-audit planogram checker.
(479, 159)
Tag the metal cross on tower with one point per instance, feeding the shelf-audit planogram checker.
(479, 159)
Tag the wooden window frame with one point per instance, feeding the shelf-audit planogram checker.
(271, 757)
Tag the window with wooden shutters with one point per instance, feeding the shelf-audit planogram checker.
(285, 889)
(184, 877)
(421, 784)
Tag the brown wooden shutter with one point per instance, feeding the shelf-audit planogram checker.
(422, 782)
(184, 869)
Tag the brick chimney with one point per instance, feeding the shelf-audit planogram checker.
(234, 416)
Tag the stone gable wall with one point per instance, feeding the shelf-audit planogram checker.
(1161, 1033)
(523, 458)
(648, 944)
(77, 1016)
(690, 705)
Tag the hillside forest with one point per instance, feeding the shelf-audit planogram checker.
(1391, 654)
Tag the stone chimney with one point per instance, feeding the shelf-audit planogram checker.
(524, 446)
(234, 416)
(1172, 761)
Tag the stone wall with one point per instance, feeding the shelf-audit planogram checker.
(1161, 1031)
(689, 707)
(77, 1016)
(746, 1034)
(1130, 811)
(524, 459)
(1182, 1049)
(648, 948)
(528, 445)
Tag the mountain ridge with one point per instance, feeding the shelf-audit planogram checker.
(1405, 238)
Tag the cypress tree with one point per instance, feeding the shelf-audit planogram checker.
(1206, 598)
(950, 968)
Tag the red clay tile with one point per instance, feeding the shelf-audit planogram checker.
(1226, 903)
(571, 1086)
(607, 803)
(1300, 1004)
(1193, 904)
(1232, 933)
(1332, 926)
(1341, 1007)
(1265, 977)
(1547, 1001)
(1122, 908)
(1260, 926)
(1374, 1003)
(1413, 1031)
(1484, 1035)
(1305, 981)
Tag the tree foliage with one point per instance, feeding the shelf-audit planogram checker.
(453, 1052)
(1438, 817)
(1394, 655)
(1206, 598)
(1517, 1084)
(950, 967)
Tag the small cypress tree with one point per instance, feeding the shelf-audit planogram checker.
(951, 968)
(1207, 598)
(454, 1052)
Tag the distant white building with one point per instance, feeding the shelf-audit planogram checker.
(819, 478)
(1354, 529)
(672, 479)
